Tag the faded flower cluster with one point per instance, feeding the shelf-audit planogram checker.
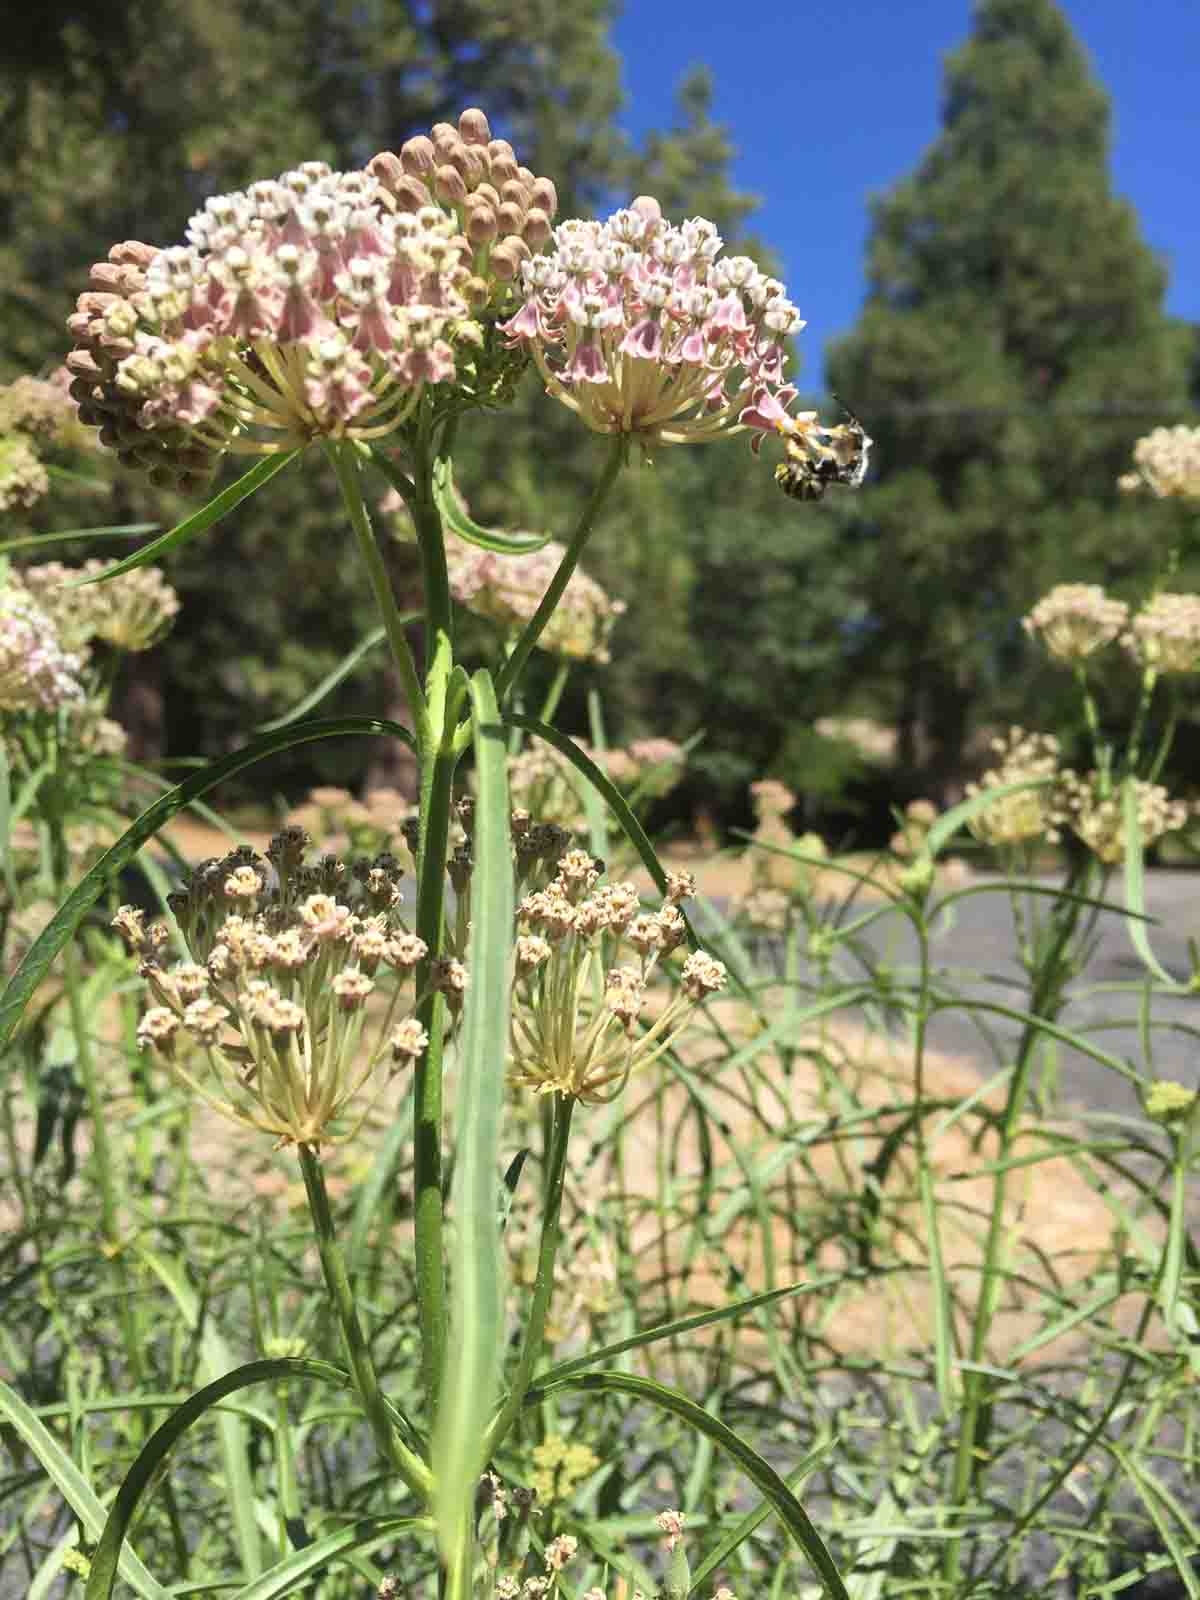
(1098, 816)
(1074, 620)
(1165, 634)
(130, 613)
(294, 993)
(1167, 463)
(585, 957)
(36, 673)
(545, 785)
(507, 589)
(316, 304)
(1030, 814)
(35, 414)
(340, 824)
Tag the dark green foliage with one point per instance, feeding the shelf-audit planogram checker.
(1012, 348)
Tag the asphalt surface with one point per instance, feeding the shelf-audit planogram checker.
(974, 955)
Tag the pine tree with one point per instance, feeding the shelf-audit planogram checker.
(1012, 347)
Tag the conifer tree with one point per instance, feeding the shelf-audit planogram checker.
(1012, 347)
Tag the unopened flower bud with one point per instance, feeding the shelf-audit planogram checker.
(536, 228)
(544, 195)
(409, 1041)
(473, 127)
(417, 156)
(482, 226)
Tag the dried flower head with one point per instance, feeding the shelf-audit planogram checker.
(507, 589)
(1029, 814)
(36, 673)
(1097, 815)
(23, 478)
(288, 1007)
(319, 303)
(1167, 463)
(1075, 620)
(1165, 634)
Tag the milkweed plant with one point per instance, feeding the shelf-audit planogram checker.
(370, 316)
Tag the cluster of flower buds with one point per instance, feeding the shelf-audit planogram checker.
(1167, 463)
(585, 957)
(1165, 634)
(1096, 813)
(36, 673)
(1074, 620)
(291, 998)
(1029, 814)
(507, 589)
(130, 613)
(317, 304)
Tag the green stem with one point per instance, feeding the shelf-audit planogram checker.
(512, 669)
(555, 692)
(543, 1288)
(1134, 750)
(1044, 1003)
(397, 1455)
(439, 758)
(345, 465)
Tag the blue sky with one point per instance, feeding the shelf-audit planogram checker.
(827, 104)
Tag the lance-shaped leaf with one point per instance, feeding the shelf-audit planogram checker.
(219, 506)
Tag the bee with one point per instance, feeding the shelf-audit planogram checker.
(818, 456)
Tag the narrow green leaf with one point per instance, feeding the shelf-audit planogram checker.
(219, 506)
(32, 541)
(331, 680)
(357, 1538)
(760, 1472)
(476, 1339)
(457, 520)
(73, 1487)
(689, 1324)
(62, 926)
(948, 824)
(745, 1526)
(233, 1433)
(1135, 888)
(107, 1560)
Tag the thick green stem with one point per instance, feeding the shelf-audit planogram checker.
(543, 1288)
(511, 671)
(439, 757)
(345, 465)
(397, 1455)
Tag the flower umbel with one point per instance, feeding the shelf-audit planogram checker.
(291, 1001)
(1165, 634)
(36, 673)
(1074, 620)
(317, 304)
(1029, 814)
(644, 329)
(508, 588)
(1167, 463)
(584, 963)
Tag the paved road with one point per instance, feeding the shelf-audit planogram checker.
(974, 950)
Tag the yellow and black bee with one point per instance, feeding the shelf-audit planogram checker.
(820, 456)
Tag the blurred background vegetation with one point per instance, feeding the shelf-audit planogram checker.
(1012, 347)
